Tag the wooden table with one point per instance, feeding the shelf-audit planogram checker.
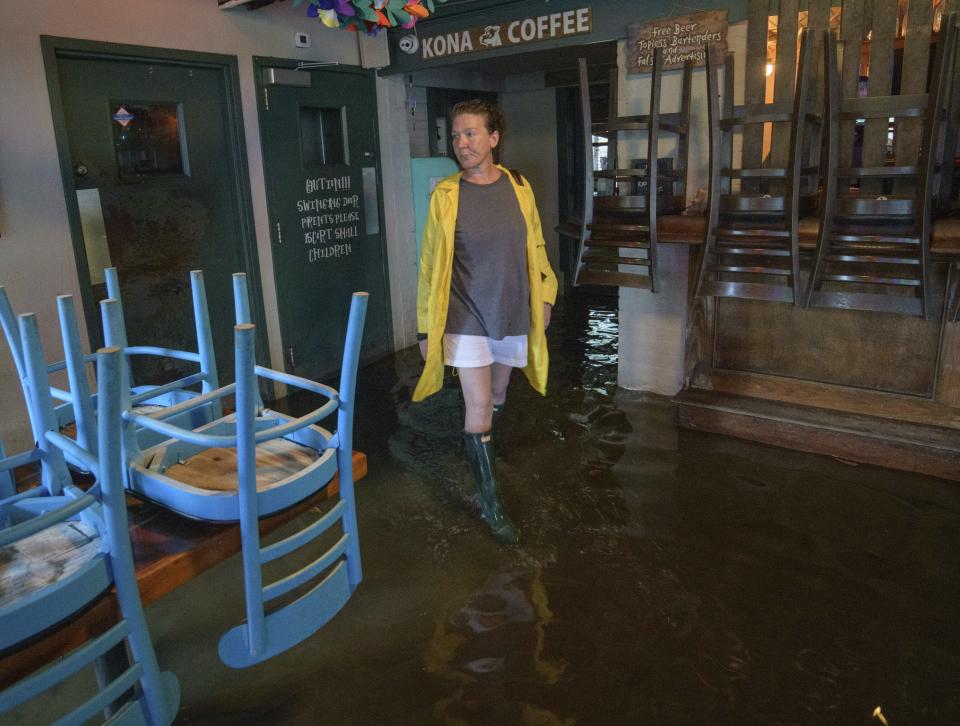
(169, 550)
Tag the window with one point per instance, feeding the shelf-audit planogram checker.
(322, 136)
(148, 140)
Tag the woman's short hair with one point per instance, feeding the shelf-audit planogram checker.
(495, 120)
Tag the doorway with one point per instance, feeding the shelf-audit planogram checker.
(156, 181)
(318, 128)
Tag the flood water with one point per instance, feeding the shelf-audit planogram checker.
(664, 576)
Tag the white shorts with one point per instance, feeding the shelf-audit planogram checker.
(477, 351)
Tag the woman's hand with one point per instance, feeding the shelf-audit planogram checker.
(423, 348)
(547, 310)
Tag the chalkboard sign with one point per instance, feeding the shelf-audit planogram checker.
(329, 217)
(681, 37)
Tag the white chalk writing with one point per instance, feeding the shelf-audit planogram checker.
(328, 220)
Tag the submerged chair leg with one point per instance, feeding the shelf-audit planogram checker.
(481, 457)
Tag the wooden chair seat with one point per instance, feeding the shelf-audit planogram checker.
(633, 204)
(38, 561)
(216, 469)
(888, 209)
(202, 482)
(761, 206)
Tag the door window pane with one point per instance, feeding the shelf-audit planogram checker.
(148, 139)
(322, 137)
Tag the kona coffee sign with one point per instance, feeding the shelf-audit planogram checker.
(503, 35)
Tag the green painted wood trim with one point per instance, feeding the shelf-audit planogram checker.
(261, 62)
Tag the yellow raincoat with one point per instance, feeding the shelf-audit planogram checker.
(436, 271)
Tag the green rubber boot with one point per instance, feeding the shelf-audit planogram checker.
(480, 455)
(496, 432)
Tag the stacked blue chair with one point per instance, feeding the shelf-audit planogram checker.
(76, 403)
(91, 529)
(53, 476)
(254, 463)
(144, 397)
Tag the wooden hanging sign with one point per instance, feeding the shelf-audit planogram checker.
(682, 38)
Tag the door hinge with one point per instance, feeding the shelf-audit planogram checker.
(279, 235)
(266, 99)
(292, 360)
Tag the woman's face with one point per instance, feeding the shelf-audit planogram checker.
(472, 143)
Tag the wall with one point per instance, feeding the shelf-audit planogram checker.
(36, 253)
(530, 146)
(399, 223)
(653, 326)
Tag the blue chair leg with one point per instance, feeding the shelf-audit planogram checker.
(348, 385)
(77, 375)
(53, 466)
(208, 361)
(241, 308)
(161, 692)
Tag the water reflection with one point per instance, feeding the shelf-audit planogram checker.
(665, 577)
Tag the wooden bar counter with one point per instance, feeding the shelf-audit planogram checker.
(866, 387)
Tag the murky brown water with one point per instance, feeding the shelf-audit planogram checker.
(665, 577)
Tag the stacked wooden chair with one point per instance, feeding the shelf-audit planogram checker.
(618, 233)
(751, 249)
(873, 249)
(57, 561)
(251, 464)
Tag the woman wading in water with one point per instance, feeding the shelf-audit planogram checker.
(485, 292)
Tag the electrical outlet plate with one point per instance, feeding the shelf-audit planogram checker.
(301, 40)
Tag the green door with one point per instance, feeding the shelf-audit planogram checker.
(157, 195)
(319, 131)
